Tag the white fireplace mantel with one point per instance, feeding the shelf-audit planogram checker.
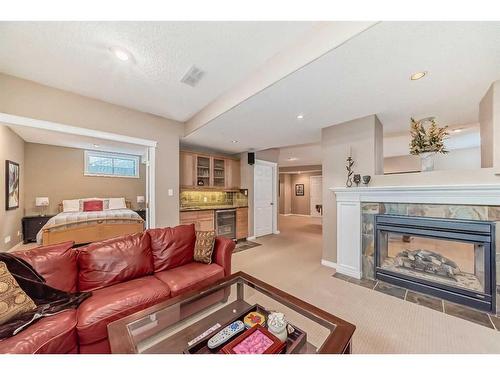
(349, 211)
(437, 194)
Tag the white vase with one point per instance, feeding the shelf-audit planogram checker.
(427, 160)
(276, 323)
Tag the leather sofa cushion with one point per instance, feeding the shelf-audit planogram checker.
(172, 247)
(190, 276)
(114, 302)
(56, 263)
(113, 261)
(50, 335)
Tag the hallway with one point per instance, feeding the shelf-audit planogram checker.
(385, 324)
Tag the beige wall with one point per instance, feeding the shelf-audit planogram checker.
(489, 120)
(293, 204)
(57, 173)
(11, 148)
(301, 205)
(29, 99)
(364, 138)
(285, 194)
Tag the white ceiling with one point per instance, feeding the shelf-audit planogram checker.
(50, 137)
(75, 56)
(369, 75)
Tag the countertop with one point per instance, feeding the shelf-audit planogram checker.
(211, 208)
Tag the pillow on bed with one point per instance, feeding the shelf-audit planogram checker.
(116, 203)
(71, 205)
(95, 205)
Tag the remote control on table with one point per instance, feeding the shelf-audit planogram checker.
(222, 336)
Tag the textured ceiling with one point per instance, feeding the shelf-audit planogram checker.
(75, 56)
(369, 75)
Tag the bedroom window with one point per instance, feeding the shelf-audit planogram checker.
(110, 164)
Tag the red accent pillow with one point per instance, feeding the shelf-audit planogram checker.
(92, 206)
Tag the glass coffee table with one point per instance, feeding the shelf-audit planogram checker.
(175, 326)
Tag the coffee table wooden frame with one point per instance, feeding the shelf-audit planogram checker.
(338, 341)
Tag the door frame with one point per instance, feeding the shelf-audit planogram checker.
(275, 196)
(310, 193)
(149, 145)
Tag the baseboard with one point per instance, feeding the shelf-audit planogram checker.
(328, 263)
(348, 271)
(251, 238)
(277, 232)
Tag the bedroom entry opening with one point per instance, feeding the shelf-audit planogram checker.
(95, 164)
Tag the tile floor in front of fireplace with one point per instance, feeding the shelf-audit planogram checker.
(438, 304)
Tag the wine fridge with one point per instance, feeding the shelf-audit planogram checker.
(225, 223)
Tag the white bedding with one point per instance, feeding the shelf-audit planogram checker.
(81, 218)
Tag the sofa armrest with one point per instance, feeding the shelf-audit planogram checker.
(223, 250)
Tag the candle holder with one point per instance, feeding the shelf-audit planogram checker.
(350, 163)
(357, 179)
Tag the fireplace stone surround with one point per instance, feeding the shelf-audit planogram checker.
(357, 207)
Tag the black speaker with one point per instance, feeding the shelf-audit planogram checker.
(251, 158)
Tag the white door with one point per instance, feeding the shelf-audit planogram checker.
(263, 199)
(316, 192)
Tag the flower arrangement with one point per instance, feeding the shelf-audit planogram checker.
(427, 140)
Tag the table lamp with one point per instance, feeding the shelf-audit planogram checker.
(42, 202)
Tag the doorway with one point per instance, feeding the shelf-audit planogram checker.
(265, 198)
(316, 195)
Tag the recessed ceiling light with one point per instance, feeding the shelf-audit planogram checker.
(300, 116)
(292, 159)
(457, 130)
(234, 141)
(96, 145)
(121, 54)
(418, 75)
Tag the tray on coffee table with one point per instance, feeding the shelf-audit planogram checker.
(294, 343)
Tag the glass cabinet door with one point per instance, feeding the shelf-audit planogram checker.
(202, 171)
(219, 173)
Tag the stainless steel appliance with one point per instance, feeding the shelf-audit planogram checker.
(225, 223)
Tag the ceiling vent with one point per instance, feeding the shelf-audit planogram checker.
(193, 76)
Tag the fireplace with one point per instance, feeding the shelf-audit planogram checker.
(450, 258)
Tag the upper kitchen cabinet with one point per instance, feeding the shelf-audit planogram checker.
(219, 179)
(208, 171)
(187, 170)
(233, 179)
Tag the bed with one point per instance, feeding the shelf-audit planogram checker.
(84, 227)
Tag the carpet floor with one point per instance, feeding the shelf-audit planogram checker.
(384, 324)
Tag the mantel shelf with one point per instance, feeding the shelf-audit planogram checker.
(485, 194)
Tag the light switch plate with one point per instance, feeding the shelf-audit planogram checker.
(7, 239)
(170, 192)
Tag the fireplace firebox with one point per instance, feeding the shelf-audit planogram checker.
(449, 258)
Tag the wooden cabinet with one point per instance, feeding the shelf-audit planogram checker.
(202, 220)
(208, 171)
(241, 223)
(187, 170)
(233, 174)
(219, 173)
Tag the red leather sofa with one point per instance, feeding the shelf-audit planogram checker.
(125, 274)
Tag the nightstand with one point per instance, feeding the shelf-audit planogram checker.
(142, 214)
(32, 225)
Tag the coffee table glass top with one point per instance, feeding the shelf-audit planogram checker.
(173, 326)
